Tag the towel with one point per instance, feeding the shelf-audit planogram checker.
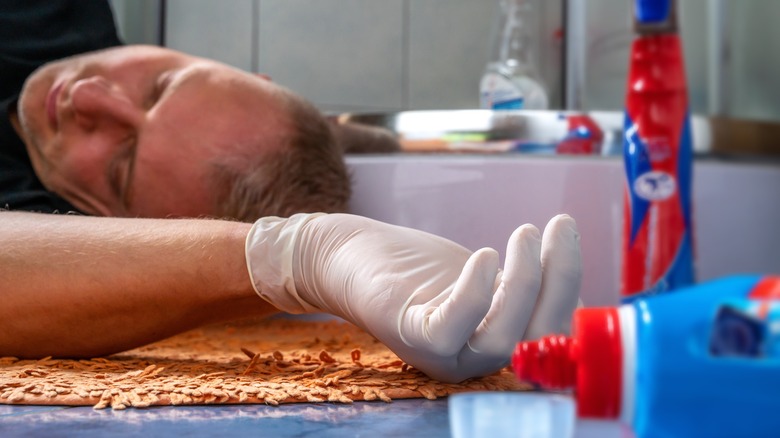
(271, 361)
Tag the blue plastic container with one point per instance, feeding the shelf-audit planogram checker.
(703, 361)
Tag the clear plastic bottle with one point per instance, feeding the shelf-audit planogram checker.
(511, 79)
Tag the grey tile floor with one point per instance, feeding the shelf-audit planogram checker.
(402, 418)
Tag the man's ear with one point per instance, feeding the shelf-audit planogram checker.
(263, 76)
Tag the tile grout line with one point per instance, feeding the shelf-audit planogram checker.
(405, 78)
(255, 56)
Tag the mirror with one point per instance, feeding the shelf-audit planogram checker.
(382, 59)
(596, 133)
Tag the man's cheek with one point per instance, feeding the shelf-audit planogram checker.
(82, 169)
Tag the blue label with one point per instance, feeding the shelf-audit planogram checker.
(746, 328)
(685, 170)
(637, 162)
(647, 185)
(516, 103)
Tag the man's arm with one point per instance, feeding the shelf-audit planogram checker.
(87, 286)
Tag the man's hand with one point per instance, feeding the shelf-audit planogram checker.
(450, 313)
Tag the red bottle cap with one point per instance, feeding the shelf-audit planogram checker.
(591, 361)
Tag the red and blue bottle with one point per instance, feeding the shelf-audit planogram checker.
(658, 157)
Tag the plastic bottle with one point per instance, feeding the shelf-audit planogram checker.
(658, 156)
(511, 80)
(700, 362)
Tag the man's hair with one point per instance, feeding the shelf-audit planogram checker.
(306, 173)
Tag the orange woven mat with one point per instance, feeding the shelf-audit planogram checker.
(272, 361)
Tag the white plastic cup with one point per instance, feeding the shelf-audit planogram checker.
(511, 414)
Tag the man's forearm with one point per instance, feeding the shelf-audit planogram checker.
(86, 286)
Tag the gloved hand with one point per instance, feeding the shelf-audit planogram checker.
(448, 312)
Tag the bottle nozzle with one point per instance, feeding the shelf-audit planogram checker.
(655, 16)
(590, 362)
(546, 362)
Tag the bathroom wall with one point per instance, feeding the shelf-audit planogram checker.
(347, 55)
(359, 55)
(374, 55)
(350, 55)
(741, 73)
(138, 21)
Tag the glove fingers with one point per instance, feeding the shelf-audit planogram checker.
(452, 323)
(514, 301)
(561, 277)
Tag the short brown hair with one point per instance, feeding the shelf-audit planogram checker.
(305, 174)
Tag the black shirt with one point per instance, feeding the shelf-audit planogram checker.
(33, 32)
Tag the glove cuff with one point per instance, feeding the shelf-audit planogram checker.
(270, 248)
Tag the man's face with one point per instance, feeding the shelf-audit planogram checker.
(130, 131)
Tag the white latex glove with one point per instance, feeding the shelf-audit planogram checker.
(448, 312)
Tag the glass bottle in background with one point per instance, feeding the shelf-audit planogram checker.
(511, 79)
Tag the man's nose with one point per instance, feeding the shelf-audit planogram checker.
(97, 101)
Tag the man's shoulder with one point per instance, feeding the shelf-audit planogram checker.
(20, 188)
(33, 33)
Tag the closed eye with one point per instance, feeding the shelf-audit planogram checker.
(120, 169)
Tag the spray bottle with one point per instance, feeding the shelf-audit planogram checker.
(511, 80)
(701, 362)
(658, 157)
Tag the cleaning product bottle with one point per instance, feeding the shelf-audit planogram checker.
(658, 157)
(511, 80)
(701, 362)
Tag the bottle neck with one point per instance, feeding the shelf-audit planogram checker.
(593, 362)
(653, 17)
(514, 43)
(546, 362)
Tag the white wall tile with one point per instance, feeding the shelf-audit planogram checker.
(610, 34)
(138, 21)
(340, 54)
(693, 15)
(218, 30)
(449, 45)
(755, 60)
(348, 55)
